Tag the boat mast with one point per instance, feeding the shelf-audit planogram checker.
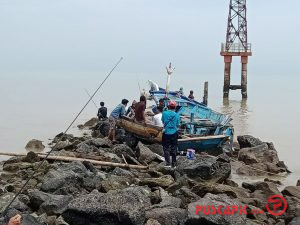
(170, 70)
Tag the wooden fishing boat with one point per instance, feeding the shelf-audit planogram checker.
(153, 134)
(146, 132)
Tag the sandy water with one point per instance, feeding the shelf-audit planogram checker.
(40, 104)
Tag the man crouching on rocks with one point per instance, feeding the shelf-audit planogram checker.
(114, 116)
(171, 122)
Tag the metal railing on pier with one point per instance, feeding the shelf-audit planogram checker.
(235, 47)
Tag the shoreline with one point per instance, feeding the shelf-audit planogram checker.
(70, 184)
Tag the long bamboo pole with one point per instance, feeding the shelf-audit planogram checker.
(72, 159)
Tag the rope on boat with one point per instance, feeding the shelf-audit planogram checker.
(71, 124)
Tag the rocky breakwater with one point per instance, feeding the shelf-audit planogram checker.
(81, 193)
(258, 157)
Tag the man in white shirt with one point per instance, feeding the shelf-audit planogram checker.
(157, 118)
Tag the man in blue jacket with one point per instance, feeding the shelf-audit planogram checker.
(114, 116)
(171, 122)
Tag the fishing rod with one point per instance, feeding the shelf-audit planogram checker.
(64, 133)
(86, 91)
(139, 87)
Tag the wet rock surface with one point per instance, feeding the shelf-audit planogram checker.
(69, 193)
(121, 207)
(205, 168)
(35, 145)
(216, 219)
(293, 191)
(259, 157)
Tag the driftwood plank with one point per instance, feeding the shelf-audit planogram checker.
(72, 159)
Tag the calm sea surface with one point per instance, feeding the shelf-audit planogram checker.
(41, 104)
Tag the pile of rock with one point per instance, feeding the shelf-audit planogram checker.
(81, 193)
(259, 156)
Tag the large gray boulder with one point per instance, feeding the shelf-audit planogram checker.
(6, 198)
(63, 137)
(145, 155)
(85, 148)
(260, 193)
(126, 206)
(293, 208)
(91, 123)
(202, 189)
(114, 183)
(260, 153)
(122, 149)
(266, 187)
(186, 196)
(295, 221)
(216, 219)
(109, 156)
(263, 157)
(104, 126)
(48, 203)
(157, 148)
(246, 141)
(168, 215)
(164, 181)
(292, 191)
(63, 145)
(99, 142)
(30, 220)
(152, 222)
(205, 168)
(166, 200)
(122, 172)
(35, 145)
(66, 179)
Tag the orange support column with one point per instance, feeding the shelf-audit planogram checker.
(227, 71)
(244, 61)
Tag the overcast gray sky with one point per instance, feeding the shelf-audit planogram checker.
(89, 34)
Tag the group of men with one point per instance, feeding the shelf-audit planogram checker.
(181, 93)
(162, 116)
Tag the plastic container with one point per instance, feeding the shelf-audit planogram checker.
(190, 154)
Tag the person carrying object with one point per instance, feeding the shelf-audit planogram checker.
(114, 116)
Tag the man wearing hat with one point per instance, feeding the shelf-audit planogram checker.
(171, 122)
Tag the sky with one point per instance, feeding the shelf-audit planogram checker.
(83, 35)
(51, 50)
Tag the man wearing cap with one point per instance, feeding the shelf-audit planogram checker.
(171, 122)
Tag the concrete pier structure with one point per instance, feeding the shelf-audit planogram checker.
(236, 45)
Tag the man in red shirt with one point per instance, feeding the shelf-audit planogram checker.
(140, 110)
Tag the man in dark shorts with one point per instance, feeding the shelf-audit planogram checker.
(140, 110)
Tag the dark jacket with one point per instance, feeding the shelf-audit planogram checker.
(102, 113)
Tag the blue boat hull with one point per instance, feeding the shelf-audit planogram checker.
(201, 145)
